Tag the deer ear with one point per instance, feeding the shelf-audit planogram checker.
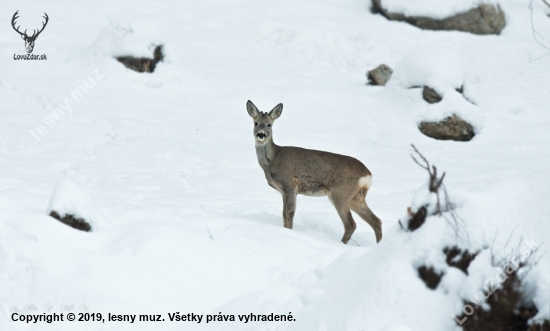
(252, 110)
(276, 112)
(23, 37)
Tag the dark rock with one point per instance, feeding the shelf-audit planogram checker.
(455, 258)
(485, 19)
(430, 95)
(451, 128)
(72, 221)
(379, 75)
(430, 277)
(143, 64)
(458, 258)
(417, 219)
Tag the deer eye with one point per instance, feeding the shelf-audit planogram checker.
(269, 125)
(255, 123)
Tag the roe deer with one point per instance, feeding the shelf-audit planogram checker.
(294, 170)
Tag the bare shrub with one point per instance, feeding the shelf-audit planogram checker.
(510, 305)
(443, 207)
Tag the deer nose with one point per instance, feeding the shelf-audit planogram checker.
(261, 135)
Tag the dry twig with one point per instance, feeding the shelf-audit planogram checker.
(436, 186)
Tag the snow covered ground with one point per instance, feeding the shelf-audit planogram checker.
(164, 165)
(433, 8)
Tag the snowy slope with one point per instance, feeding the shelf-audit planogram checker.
(166, 161)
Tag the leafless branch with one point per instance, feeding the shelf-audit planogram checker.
(121, 28)
(536, 35)
(510, 237)
(455, 221)
(525, 264)
(435, 183)
(427, 166)
(436, 186)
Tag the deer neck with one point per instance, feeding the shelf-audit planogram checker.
(267, 153)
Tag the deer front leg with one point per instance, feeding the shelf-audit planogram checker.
(289, 207)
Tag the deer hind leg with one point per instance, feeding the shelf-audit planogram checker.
(289, 207)
(359, 205)
(341, 204)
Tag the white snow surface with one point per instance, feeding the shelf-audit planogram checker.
(437, 9)
(438, 68)
(69, 199)
(164, 163)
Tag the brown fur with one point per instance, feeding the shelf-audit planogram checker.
(294, 170)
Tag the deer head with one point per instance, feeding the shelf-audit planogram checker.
(29, 40)
(263, 121)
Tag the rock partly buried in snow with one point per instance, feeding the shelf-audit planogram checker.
(459, 258)
(72, 221)
(430, 95)
(451, 128)
(379, 75)
(455, 257)
(440, 69)
(142, 64)
(416, 219)
(484, 19)
(72, 206)
(430, 276)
